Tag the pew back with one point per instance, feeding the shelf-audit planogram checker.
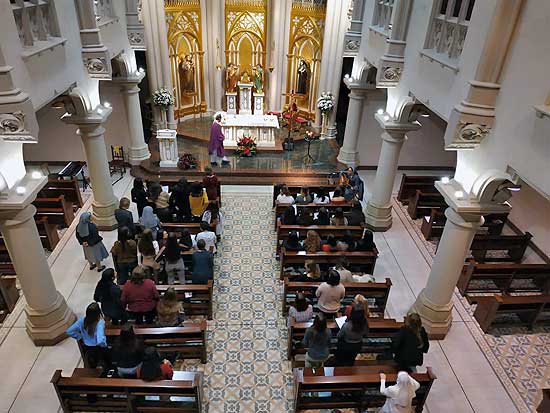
(338, 231)
(294, 190)
(58, 210)
(196, 298)
(514, 245)
(67, 187)
(280, 208)
(410, 184)
(421, 203)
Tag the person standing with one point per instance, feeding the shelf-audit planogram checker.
(317, 340)
(150, 221)
(124, 216)
(92, 243)
(139, 195)
(179, 200)
(124, 253)
(329, 295)
(350, 336)
(203, 264)
(107, 293)
(410, 343)
(210, 183)
(140, 295)
(215, 146)
(90, 331)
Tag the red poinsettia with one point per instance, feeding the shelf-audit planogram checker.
(246, 151)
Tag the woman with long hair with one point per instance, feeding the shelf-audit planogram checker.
(153, 367)
(346, 243)
(88, 236)
(330, 244)
(214, 218)
(198, 201)
(288, 216)
(399, 396)
(338, 196)
(339, 219)
(124, 253)
(90, 330)
(186, 242)
(179, 200)
(317, 340)
(148, 252)
(303, 197)
(150, 221)
(301, 311)
(154, 189)
(169, 309)
(139, 195)
(140, 297)
(321, 197)
(329, 294)
(312, 243)
(107, 293)
(292, 243)
(366, 243)
(128, 352)
(173, 262)
(361, 300)
(350, 336)
(323, 217)
(410, 343)
(305, 218)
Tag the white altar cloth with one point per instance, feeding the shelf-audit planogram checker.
(260, 127)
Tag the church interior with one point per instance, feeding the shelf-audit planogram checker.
(270, 206)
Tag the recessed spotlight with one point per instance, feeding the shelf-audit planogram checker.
(36, 175)
(386, 118)
(459, 194)
(140, 70)
(20, 190)
(380, 111)
(107, 104)
(445, 180)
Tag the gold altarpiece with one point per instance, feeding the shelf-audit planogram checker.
(307, 21)
(245, 34)
(183, 21)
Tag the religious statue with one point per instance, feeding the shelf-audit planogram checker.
(245, 78)
(231, 78)
(304, 73)
(186, 70)
(259, 79)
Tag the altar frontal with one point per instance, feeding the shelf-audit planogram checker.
(259, 127)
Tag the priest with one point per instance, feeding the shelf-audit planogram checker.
(215, 146)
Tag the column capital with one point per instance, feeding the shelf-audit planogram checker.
(15, 217)
(89, 120)
(394, 126)
(21, 195)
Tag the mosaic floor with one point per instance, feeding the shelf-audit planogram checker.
(520, 360)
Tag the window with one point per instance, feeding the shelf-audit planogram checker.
(448, 28)
(35, 21)
(381, 19)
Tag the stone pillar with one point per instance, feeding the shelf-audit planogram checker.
(434, 303)
(48, 315)
(348, 152)
(378, 210)
(277, 52)
(139, 151)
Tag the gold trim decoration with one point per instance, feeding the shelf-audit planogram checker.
(183, 21)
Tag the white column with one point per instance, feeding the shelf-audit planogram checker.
(278, 49)
(434, 303)
(139, 151)
(348, 152)
(48, 315)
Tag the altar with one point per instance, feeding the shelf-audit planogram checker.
(260, 127)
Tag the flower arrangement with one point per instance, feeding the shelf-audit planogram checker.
(246, 146)
(187, 161)
(163, 98)
(325, 103)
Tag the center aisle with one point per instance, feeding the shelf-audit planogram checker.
(247, 370)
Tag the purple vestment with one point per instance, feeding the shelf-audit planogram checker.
(215, 146)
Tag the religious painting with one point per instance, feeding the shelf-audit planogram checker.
(307, 22)
(183, 21)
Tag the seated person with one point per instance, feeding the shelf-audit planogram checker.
(169, 310)
(321, 197)
(323, 217)
(153, 367)
(301, 311)
(313, 273)
(208, 236)
(338, 196)
(346, 243)
(312, 243)
(366, 243)
(345, 274)
(292, 243)
(284, 196)
(203, 264)
(305, 218)
(127, 352)
(330, 244)
(355, 216)
(288, 217)
(303, 197)
(198, 201)
(339, 219)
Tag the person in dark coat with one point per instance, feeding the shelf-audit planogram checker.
(124, 217)
(355, 216)
(203, 264)
(107, 293)
(366, 243)
(92, 243)
(289, 216)
(410, 343)
(179, 200)
(139, 195)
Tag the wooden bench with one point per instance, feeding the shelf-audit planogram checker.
(358, 261)
(338, 231)
(6, 265)
(421, 203)
(67, 187)
(57, 210)
(8, 295)
(377, 293)
(410, 184)
(514, 245)
(432, 225)
(86, 391)
(530, 310)
(189, 341)
(279, 209)
(544, 406)
(295, 190)
(47, 232)
(196, 298)
(378, 341)
(503, 278)
(355, 387)
(179, 227)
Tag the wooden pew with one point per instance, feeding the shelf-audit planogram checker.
(323, 230)
(47, 232)
(8, 295)
(188, 341)
(6, 265)
(359, 261)
(295, 190)
(381, 332)
(86, 391)
(544, 406)
(58, 210)
(514, 245)
(410, 184)
(279, 209)
(530, 310)
(67, 187)
(377, 293)
(421, 203)
(432, 226)
(505, 279)
(196, 298)
(355, 387)
(179, 227)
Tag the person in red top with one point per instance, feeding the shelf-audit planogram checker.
(140, 295)
(153, 367)
(210, 183)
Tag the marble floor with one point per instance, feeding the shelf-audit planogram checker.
(466, 381)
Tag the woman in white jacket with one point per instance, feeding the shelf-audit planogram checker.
(398, 397)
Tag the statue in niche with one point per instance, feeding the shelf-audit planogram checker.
(258, 79)
(304, 73)
(231, 78)
(186, 69)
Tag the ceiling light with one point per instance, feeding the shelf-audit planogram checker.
(459, 194)
(386, 118)
(107, 104)
(380, 111)
(36, 175)
(20, 190)
(445, 180)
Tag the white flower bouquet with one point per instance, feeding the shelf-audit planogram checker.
(325, 103)
(163, 98)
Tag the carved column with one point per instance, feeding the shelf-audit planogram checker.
(353, 35)
(472, 119)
